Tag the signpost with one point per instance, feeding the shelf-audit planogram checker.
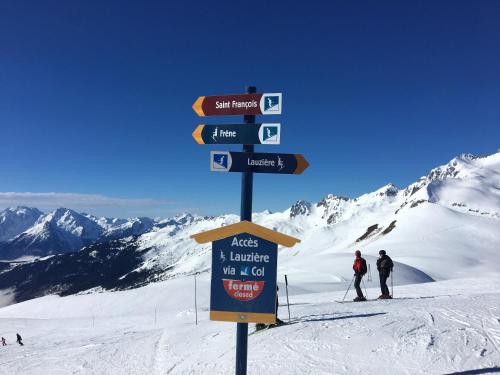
(244, 255)
(264, 134)
(228, 161)
(246, 104)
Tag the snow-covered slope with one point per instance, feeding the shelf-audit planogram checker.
(445, 225)
(433, 328)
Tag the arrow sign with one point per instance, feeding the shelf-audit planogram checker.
(246, 104)
(244, 134)
(228, 161)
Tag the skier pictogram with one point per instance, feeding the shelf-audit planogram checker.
(272, 104)
(280, 163)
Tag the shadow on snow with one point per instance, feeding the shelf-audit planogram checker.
(329, 317)
(488, 370)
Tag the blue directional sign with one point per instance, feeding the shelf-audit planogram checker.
(241, 134)
(243, 286)
(257, 162)
(244, 260)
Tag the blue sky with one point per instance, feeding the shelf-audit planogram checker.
(95, 97)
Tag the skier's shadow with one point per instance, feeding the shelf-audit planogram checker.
(488, 370)
(326, 317)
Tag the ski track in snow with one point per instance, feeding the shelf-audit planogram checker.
(433, 328)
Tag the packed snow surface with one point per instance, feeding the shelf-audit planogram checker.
(430, 328)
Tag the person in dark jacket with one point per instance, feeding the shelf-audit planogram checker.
(19, 339)
(360, 269)
(384, 267)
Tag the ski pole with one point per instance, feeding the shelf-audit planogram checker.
(369, 274)
(364, 285)
(195, 301)
(287, 302)
(349, 287)
(392, 285)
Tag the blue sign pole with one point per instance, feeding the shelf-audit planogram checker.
(245, 214)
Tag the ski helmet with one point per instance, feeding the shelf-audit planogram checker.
(382, 252)
(357, 253)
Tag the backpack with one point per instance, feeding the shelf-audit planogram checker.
(358, 265)
(385, 263)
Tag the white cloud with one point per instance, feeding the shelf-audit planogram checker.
(92, 203)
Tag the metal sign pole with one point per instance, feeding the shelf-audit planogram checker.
(245, 214)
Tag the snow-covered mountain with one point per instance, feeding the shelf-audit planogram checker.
(114, 228)
(60, 231)
(29, 232)
(445, 225)
(16, 220)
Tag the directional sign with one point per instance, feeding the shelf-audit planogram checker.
(244, 260)
(243, 279)
(228, 161)
(246, 104)
(244, 134)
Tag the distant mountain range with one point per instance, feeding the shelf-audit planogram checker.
(444, 225)
(28, 232)
(14, 221)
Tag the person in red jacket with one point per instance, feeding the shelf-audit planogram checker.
(360, 269)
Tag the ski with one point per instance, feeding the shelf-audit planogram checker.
(390, 299)
(268, 327)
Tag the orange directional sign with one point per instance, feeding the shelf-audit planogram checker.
(245, 104)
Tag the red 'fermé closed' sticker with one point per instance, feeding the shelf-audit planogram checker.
(243, 290)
